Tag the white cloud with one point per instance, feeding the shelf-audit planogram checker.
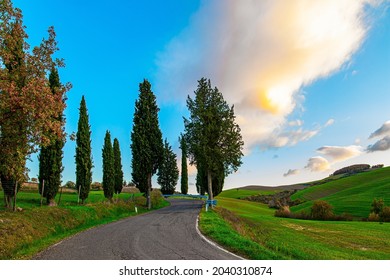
(339, 153)
(291, 172)
(260, 54)
(296, 123)
(280, 139)
(329, 122)
(318, 164)
(380, 145)
(384, 130)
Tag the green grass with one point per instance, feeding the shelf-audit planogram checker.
(297, 239)
(23, 234)
(353, 194)
(243, 193)
(31, 199)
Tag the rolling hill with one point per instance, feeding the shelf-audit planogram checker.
(353, 194)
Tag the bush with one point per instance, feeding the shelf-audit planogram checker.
(373, 217)
(377, 206)
(322, 210)
(283, 212)
(385, 214)
(156, 197)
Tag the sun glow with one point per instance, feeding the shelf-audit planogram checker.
(275, 100)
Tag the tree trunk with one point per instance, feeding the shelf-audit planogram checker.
(8, 186)
(16, 187)
(148, 191)
(210, 185)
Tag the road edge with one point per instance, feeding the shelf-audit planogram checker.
(213, 243)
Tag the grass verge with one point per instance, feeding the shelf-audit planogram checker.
(247, 222)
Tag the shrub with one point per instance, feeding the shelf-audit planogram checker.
(377, 206)
(283, 212)
(322, 210)
(385, 214)
(373, 217)
(156, 197)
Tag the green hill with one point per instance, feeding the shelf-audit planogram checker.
(353, 194)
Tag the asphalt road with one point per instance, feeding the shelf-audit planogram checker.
(165, 234)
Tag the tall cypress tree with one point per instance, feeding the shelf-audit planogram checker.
(146, 140)
(50, 157)
(108, 167)
(168, 173)
(118, 173)
(184, 168)
(83, 153)
(213, 138)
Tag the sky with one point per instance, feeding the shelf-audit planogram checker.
(309, 80)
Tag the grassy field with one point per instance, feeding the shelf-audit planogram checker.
(241, 193)
(23, 234)
(279, 238)
(352, 195)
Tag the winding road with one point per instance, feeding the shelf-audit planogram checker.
(169, 233)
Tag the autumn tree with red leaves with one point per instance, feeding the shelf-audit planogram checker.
(28, 108)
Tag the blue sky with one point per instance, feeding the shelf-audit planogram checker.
(308, 91)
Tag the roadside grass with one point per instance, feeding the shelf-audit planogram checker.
(222, 232)
(23, 234)
(296, 239)
(352, 195)
(31, 199)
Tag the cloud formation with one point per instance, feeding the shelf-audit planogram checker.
(384, 130)
(329, 122)
(260, 54)
(339, 153)
(291, 172)
(318, 164)
(380, 145)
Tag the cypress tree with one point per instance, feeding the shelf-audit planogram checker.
(168, 173)
(83, 153)
(50, 157)
(213, 138)
(184, 168)
(118, 168)
(146, 140)
(108, 167)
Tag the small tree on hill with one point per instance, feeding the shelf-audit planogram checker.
(377, 206)
(83, 153)
(321, 210)
(146, 140)
(168, 173)
(118, 173)
(184, 168)
(108, 167)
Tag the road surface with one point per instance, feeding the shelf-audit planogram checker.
(165, 234)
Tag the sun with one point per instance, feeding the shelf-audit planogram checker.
(274, 100)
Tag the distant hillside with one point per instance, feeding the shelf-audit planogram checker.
(353, 194)
(243, 192)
